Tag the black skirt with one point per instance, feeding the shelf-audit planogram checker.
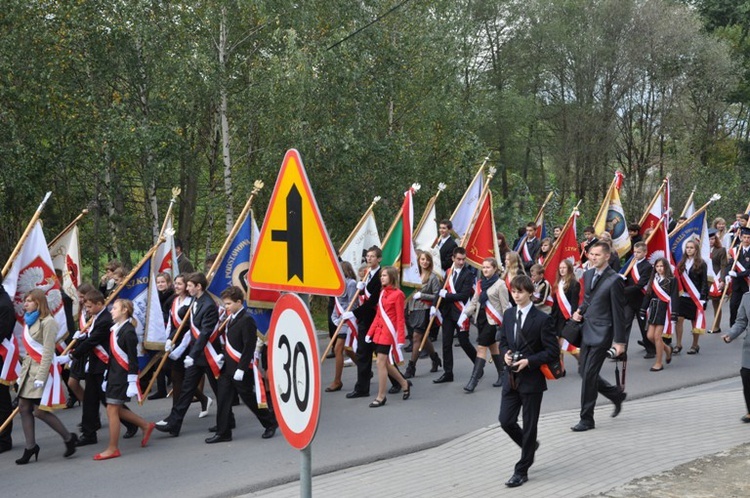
(687, 308)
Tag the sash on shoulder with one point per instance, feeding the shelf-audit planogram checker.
(463, 326)
(660, 293)
(692, 291)
(212, 356)
(53, 392)
(260, 386)
(351, 327)
(395, 356)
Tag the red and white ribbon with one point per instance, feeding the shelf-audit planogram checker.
(53, 393)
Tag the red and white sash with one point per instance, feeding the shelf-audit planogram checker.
(174, 315)
(395, 355)
(260, 386)
(464, 326)
(662, 295)
(525, 254)
(735, 254)
(566, 309)
(53, 394)
(351, 327)
(120, 356)
(494, 316)
(695, 296)
(11, 361)
(212, 356)
(637, 276)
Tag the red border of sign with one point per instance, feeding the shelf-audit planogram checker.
(321, 226)
(293, 302)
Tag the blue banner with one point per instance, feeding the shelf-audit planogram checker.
(236, 262)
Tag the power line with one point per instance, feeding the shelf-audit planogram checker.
(388, 12)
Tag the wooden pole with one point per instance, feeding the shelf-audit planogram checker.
(632, 261)
(73, 223)
(557, 241)
(257, 186)
(24, 236)
(604, 208)
(698, 211)
(9, 419)
(687, 203)
(653, 201)
(479, 172)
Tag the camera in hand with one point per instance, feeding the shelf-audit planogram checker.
(516, 357)
(612, 353)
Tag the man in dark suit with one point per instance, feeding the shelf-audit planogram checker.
(590, 239)
(738, 272)
(93, 349)
(183, 263)
(446, 244)
(237, 374)
(460, 286)
(365, 313)
(7, 323)
(532, 245)
(635, 288)
(203, 342)
(530, 333)
(602, 313)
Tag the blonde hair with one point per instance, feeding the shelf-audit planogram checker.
(40, 298)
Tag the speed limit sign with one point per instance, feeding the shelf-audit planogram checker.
(294, 371)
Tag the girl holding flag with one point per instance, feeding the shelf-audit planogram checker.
(660, 308)
(693, 274)
(387, 334)
(40, 387)
(487, 306)
(122, 378)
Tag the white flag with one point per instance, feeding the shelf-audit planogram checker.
(32, 269)
(365, 236)
(428, 234)
(66, 256)
(465, 210)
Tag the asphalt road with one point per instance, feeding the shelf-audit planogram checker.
(349, 432)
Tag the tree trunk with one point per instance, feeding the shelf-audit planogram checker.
(225, 123)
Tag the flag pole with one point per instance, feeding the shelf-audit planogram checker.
(361, 222)
(257, 186)
(632, 261)
(557, 241)
(25, 234)
(69, 227)
(726, 287)
(479, 172)
(430, 204)
(604, 208)
(698, 211)
(485, 189)
(687, 203)
(338, 327)
(544, 204)
(653, 201)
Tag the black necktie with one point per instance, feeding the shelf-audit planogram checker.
(455, 277)
(518, 327)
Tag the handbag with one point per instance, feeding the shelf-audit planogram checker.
(572, 332)
(553, 370)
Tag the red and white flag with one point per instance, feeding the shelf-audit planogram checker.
(66, 256)
(565, 248)
(32, 269)
(466, 208)
(410, 275)
(481, 241)
(165, 258)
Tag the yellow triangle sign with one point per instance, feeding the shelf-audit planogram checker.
(294, 252)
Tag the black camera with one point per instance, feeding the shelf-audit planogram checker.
(612, 353)
(516, 357)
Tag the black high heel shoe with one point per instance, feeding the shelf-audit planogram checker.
(27, 454)
(70, 445)
(407, 391)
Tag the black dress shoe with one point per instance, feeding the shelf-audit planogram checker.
(5, 448)
(395, 389)
(357, 394)
(167, 428)
(131, 432)
(157, 395)
(86, 440)
(618, 404)
(218, 439)
(446, 377)
(649, 355)
(215, 428)
(581, 427)
(269, 432)
(516, 480)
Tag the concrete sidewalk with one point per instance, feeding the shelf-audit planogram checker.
(651, 435)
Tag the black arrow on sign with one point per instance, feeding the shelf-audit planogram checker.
(292, 235)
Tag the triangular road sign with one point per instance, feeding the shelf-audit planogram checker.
(294, 252)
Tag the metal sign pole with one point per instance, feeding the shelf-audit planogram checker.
(305, 473)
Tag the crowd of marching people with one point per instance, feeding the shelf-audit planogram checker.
(520, 318)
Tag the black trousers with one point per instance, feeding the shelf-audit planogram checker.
(734, 305)
(745, 374)
(190, 382)
(511, 403)
(6, 408)
(364, 366)
(629, 314)
(228, 389)
(93, 396)
(591, 361)
(450, 327)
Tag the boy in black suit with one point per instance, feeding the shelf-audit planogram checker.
(529, 335)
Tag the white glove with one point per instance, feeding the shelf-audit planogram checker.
(168, 346)
(624, 277)
(400, 348)
(188, 362)
(732, 273)
(360, 286)
(433, 311)
(38, 384)
(238, 375)
(728, 279)
(78, 335)
(368, 339)
(175, 355)
(347, 315)
(443, 293)
(63, 359)
(104, 385)
(462, 317)
(703, 303)
(132, 390)
(416, 295)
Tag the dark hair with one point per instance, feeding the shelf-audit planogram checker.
(568, 277)
(85, 288)
(177, 243)
(502, 243)
(635, 227)
(377, 251)
(537, 268)
(459, 250)
(667, 269)
(348, 270)
(198, 278)
(745, 216)
(697, 259)
(165, 276)
(392, 273)
(531, 224)
(448, 224)
(522, 283)
(233, 293)
(589, 229)
(112, 265)
(604, 245)
(94, 296)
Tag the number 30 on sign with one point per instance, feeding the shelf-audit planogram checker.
(294, 372)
